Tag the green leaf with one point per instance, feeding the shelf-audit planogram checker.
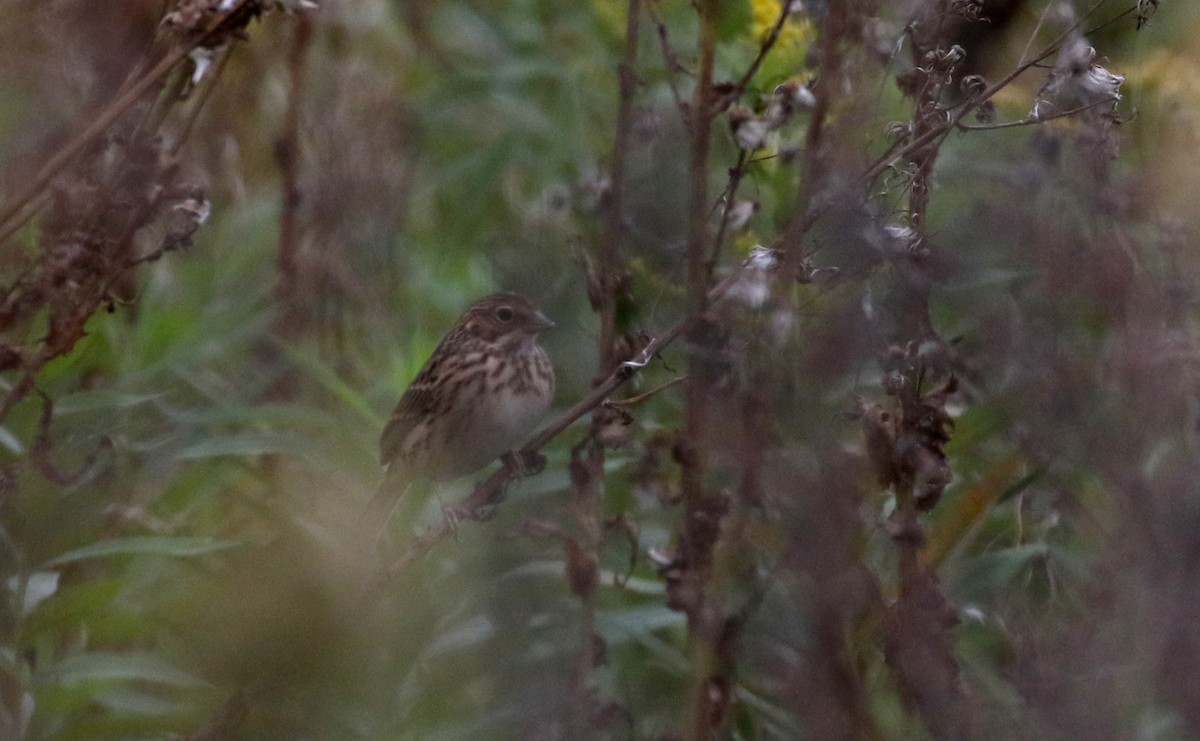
(101, 400)
(112, 666)
(176, 546)
(127, 700)
(635, 622)
(732, 21)
(328, 379)
(38, 586)
(470, 633)
(991, 572)
(246, 444)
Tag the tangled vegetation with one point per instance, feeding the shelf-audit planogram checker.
(877, 411)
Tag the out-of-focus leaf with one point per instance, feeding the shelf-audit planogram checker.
(176, 546)
(633, 584)
(639, 625)
(733, 20)
(113, 666)
(470, 633)
(100, 400)
(39, 586)
(641, 620)
(129, 700)
(960, 513)
(784, 725)
(990, 572)
(242, 444)
(10, 441)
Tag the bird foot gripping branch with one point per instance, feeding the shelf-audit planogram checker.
(523, 463)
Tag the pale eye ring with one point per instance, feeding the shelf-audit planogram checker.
(504, 314)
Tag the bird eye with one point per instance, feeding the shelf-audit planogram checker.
(504, 314)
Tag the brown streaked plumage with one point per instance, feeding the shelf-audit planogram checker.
(482, 390)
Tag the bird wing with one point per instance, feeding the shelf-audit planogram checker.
(418, 403)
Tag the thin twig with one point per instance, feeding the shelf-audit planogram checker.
(634, 400)
(608, 251)
(672, 64)
(202, 97)
(765, 48)
(804, 214)
(1035, 121)
(735, 180)
(18, 392)
(1037, 28)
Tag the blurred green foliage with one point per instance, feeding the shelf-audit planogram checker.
(198, 572)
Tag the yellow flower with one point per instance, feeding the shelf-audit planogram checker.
(764, 14)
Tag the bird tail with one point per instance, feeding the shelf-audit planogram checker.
(379, 510)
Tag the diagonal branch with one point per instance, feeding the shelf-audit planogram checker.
(490, 492)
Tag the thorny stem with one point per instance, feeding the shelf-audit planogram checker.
(922, 159)
(582, 559)
(914, 634)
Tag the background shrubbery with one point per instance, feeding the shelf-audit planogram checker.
(933, 475)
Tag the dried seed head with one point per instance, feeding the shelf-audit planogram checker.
(973, 85)
(1077, 82)
(749, 131)
(898, 131)
(753, 286)
(740, 213)
(786, 101)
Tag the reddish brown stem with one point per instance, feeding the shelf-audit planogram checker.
(287, 152)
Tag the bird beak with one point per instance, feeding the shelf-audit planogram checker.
(541, 321)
